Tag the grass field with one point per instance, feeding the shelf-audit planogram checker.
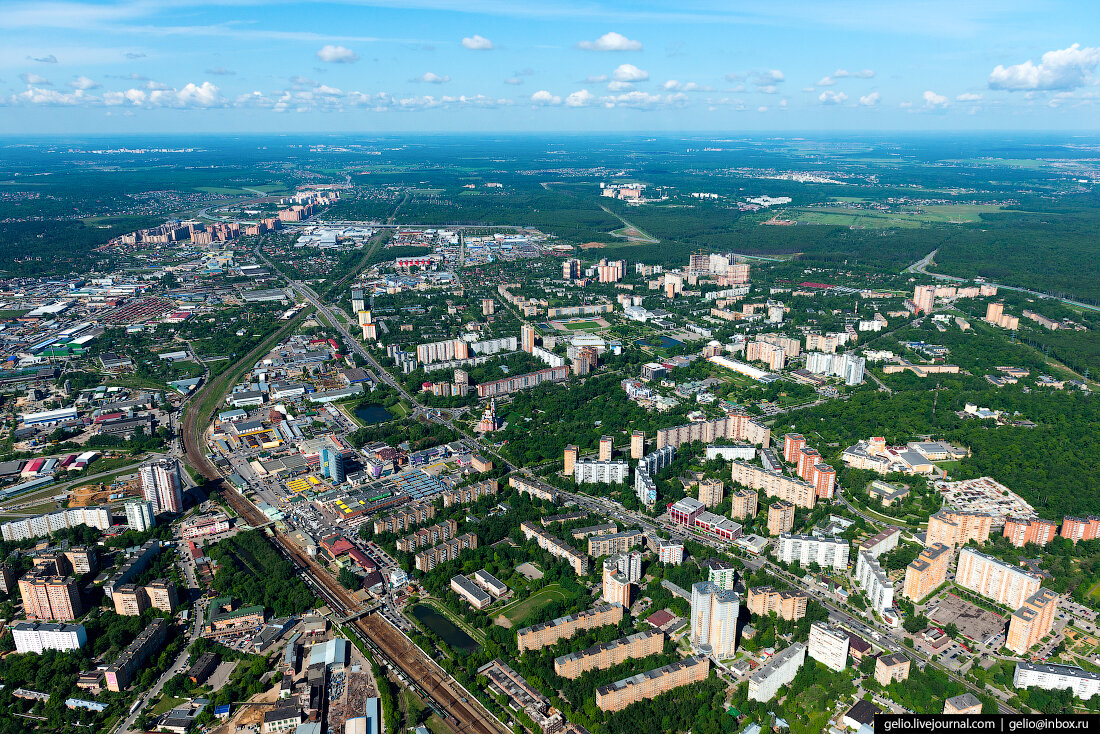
(1094, 591)
(517, 611)
(582, 325)
(904, 217)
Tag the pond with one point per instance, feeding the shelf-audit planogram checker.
(371, 414)
(445, 628)
(659, 342)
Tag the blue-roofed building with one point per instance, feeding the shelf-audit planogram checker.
(222, 712)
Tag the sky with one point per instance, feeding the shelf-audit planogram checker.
(393, 66)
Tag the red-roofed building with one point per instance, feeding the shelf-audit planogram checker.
(661, 618)
(107, 417)
(361, 560)
(336, 546)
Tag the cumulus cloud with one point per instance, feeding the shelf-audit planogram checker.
(869, 100)
(673, 85)
(645, 100)
(430, 77)
(201, 95)
(596, 79)
(543, 97)
(51, 59)
(477, 43)
(968, 97)
(843, 74)
(84, 83)
(826, 81)
(629, 73)
(620, 86)
(337, 54)
(32, 78)
(220, 71)
(580, 98)
(767, 77)
(768, 89)
(831, 97)
(611, 42)
(1064, 69)
(935, 101)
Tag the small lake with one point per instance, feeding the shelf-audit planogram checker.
(659, 342)
(371, 414)
(444, 627)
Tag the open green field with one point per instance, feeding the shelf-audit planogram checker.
(585, 325)
(1094, 591)
(517, 611)
(904, 217)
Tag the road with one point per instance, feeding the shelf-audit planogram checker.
(921, 266)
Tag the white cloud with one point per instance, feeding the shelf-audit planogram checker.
(477, 43)
(968, 97)
(596, 79)
(645, 100)
(831, 97)
(430, 77)
(629, 73)
(51, 59)
(783, 103)
(842, 74)
(83, 82)
(673, 85)
(617, 86)
(542, 97)
(768, 77)
(768, 89)
(735, 77)
(761, 108)
(611, 42)
(1067, 68)
(580, 98)
(870, 100)
(32, 78)
(337, 54)
(826, 81)
(326, 91)
(513, 80)
(203, 95)
(935, 101)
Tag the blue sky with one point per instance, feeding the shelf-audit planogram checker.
(507, 65)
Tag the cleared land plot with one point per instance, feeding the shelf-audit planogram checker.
(530, 570)
(904, 217)
(973, 622)
(517, 611)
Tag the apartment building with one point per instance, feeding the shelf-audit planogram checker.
(829, 646)
(587, 471)
(541, 635)
(883, 542)
(1032, 621)
(38, 637)
(774, 484)
(607, 545)
(1084, 684)
(995, 579)
(953, 528)
(655, 461)
(160, 485)
(469, 494)
(714, 612)
(616, 586)
(826, 552)
(891, 667)
(780, 670)
(722, 574)
(927, 572)
(875, 583)
(120, 674)
(790, 605)
(609, 654)
(130, 600)
(572, 453)
(644, 487)
(711, 492)
(745, 502)
(556, 547)
(1080, 528)
(448, 551)
(428, 536)
(405, 518)
(637, 444)
(620, 694)
(1023, 530)
(521, 382)
(670, 551)
(780, 517)
(533, 487)
(47, 596)
(736, 426)
(962, 705)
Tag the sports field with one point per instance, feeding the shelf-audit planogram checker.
(579, 324)
(517, 611)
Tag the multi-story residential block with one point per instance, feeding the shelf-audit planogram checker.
(541, 635)
(722, 574)
(121, 673)
(829, 646)
(637, 444)
(1084, 683)
(655, 461)
(521, 382)
(572, 453)
(780, 517)
(81, 560)
(8, 582)
(37, 637)
(1032, 621)
(954, 528)
(826, 552)
(714, 612)
(130, 600)
(745, 503)
(468, 494)
(586, 471)
(995, 579)
(606, 545)
(630, 565)
(160, 485)
(774, 484)
(448, 551)
(1080, 528)
(428, 536)
(652, 683)
(793, 443)
(891, 667)
(410, 515)
(469, 591)
(42, 525)
(162, 595)
(645, 487)
(790, 605)
(736, 426)
(874, 582)
(927, 572)
(46, 596)
(780, 670)
(140, 515)
(965, 704)
(607, 447)
(556, 547)
(608, 654)
(711, 491)
(1023, 530)
(616, 585)
(883, 542)
(670, 551)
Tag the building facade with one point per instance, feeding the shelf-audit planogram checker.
(995, 579)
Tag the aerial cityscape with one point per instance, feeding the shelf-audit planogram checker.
(587, 404)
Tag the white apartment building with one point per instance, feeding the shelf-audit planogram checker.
(630, 565)
(874, 581)
(827, 552)
(48, 524)
(587, 471)
(1083, 683)
(37, 637)
(780, 670)
(140, 516)
(160, 484)
(829, 646)
(995, 579)
(714, 620)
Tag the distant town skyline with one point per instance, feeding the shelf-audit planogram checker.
(440, 66)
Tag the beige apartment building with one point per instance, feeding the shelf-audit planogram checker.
(890, 668)
(745, 503)
(956, 529)
(763, 600)
(608, 654)
(539, 636)
(620, 694)
(995, 579)
(780, 517)
(1032, 621)
(798, 491)
(927, 572)
(711, 491)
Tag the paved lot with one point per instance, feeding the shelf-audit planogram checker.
(973, 622)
